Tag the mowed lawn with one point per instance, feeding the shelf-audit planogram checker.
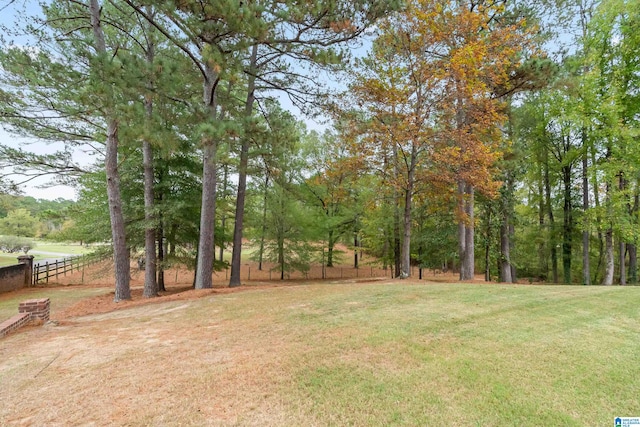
(337, 354)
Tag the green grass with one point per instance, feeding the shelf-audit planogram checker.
(470, 355)
(61, 248)
(371, 354)
(49, 247)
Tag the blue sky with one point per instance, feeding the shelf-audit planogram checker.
(10, 12)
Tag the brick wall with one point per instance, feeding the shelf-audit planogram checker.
(16, 322)
(37, 308)
(33, 310)
(12, 277)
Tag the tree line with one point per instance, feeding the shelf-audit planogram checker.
(476, 136)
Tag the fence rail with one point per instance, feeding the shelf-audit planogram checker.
(43, 271)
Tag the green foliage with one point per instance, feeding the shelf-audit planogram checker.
(19, 222)
(13, 244)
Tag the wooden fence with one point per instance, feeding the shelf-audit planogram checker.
(43, 271)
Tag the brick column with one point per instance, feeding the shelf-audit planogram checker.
(27, 260)
(37, 308)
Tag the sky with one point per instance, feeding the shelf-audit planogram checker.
(38, 188)
(9, 12)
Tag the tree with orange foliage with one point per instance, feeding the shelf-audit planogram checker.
(394, 135)
(431, 89)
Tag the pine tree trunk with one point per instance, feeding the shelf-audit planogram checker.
(150, 282)
(236, 256)
(161, 257)
(160, 237)
(118, 233)
(263, 231)
(223, 220)
(204, 268)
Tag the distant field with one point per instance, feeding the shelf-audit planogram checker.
(337, 353)
(48, 247)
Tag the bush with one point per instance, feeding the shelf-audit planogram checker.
(13, 244)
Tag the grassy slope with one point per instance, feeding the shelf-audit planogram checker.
(470, 355)
(366, 354)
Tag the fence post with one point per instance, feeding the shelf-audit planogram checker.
(27, 260)
(47, 276)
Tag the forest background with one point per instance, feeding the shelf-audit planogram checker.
(477, 136)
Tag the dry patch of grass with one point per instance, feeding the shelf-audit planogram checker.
(333, 354)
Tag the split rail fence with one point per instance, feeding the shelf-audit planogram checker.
(43, 271)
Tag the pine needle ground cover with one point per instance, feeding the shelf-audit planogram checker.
(336, 354)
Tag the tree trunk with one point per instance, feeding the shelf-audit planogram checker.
(543, 259)
(609, 258)
(120, 250)
(487, 246)
(281, 254)
(505, 230)
(622, 247)
(150, 282)
(596, 201)
(633, 263)
(236, 256)
(408, 197)
(466, 232)
(330, 245)
(632, 247)
(567, 228)
(505, 255)
(118, 233)
(204, 269)
(397, 257)
(586, 272)
(552, 234)
(161, 255)
(160, 236)
(355, 249)
(223, 220)
(263, 232)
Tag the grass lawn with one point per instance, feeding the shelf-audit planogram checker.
(49, 247)
(340, 354)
